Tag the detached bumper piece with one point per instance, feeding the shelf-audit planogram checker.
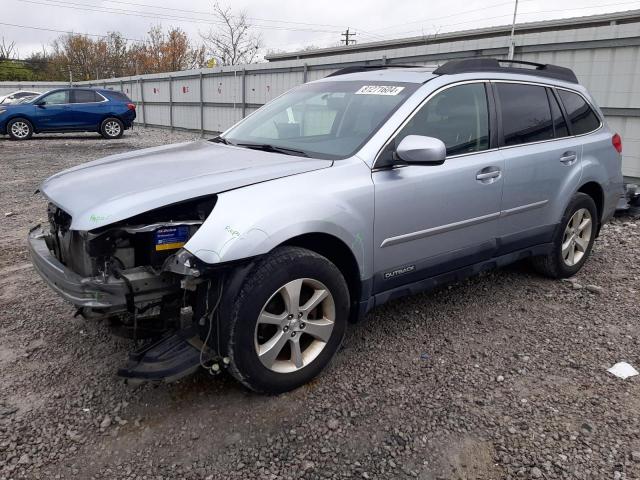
(169, 359)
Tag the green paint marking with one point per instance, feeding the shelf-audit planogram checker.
(98, 218)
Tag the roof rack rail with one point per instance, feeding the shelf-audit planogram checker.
(366, 68)
(467, 65)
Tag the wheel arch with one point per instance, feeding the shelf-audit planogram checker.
(336, 251)
(596, 192)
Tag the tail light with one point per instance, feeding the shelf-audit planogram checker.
(616, 141)
(131, 106)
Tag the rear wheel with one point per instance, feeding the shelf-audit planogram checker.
(573, 241)
(288, 320)
(111, 128)
(20, 129)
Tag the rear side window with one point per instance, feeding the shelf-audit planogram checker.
(85, 96)
(583, 119)
(559, 125)
(526, 115)
(459, 116)
(119, 97)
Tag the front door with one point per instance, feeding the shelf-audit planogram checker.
(53, 112)
(438, 218)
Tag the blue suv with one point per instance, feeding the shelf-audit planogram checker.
(107, 112)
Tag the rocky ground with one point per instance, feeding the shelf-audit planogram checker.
(501, 376)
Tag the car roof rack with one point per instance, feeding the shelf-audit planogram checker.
(367, 68)
(468, 65)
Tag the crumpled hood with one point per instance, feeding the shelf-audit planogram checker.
(117, 187)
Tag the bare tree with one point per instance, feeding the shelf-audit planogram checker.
(233, 42)
(8, 51)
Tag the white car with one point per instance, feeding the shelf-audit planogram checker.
(13, 97)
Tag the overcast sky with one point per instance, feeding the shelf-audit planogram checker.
(284, 24)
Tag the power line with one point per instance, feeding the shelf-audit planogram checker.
(201, 12)
(397, 34)
(136, 13)
(65, 31)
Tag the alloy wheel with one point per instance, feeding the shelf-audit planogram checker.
(577, 236)
(112, 129)
(20, 129)
(295, 325)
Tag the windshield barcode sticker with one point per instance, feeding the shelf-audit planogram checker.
(379, 90)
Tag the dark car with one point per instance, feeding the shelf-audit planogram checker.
(107, 112)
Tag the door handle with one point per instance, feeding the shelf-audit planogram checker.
(488, 174)
(568, 158)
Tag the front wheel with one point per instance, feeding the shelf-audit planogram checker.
(20, 129)
(573, 240)
(288, 320)
(111, 128)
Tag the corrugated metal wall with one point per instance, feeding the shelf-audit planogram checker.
(9, 87)
(605, 58)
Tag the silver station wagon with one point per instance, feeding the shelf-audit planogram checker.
(251, 252)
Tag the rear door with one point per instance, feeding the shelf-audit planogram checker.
(542, 163)
(53, 112)
(88, 109)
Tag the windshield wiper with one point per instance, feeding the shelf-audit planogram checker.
(220, 139)
(266, 147)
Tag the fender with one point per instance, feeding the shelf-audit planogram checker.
(252, 220)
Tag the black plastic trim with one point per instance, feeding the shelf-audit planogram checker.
(468, 65)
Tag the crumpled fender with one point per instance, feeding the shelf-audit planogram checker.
(253, 220)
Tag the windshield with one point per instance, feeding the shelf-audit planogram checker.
(322, 120)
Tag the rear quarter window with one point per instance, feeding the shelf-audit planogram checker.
(118, 97)
(581, 116)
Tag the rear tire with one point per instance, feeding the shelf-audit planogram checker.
(111, 128)
(287, 321)
(573, 240)
(20, 129)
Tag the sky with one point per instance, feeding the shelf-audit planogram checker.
(284, 25)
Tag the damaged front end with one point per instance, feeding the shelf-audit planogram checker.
(133, 273)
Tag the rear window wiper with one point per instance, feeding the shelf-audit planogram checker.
(266, 147)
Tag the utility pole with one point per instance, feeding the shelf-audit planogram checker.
(70, 76)
(512, 40)
(347, 41)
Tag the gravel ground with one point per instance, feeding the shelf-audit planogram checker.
(501, 376)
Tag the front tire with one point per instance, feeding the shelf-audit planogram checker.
(573, 241)
(288, 320)
(111, 128)
(20, 129)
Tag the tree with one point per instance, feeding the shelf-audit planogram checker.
(7, 51)
(233, 43)
(168, 52)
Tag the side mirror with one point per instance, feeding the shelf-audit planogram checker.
(421, 150)
(41, 103)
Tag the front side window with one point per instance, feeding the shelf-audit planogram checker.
(459, 116)
(582, 118)
(57, 98)
(526, 115)
(331, 119)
